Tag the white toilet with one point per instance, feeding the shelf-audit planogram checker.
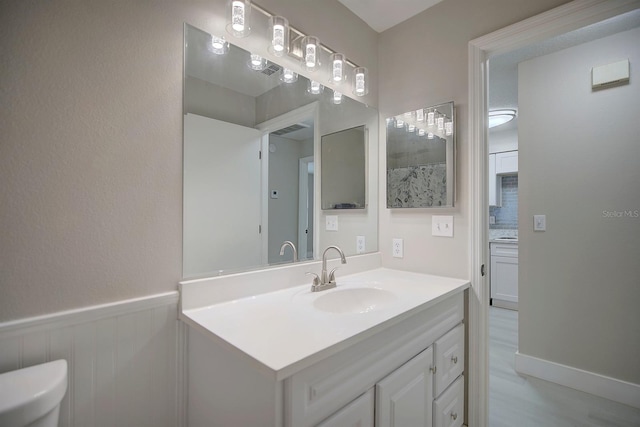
(31, 397)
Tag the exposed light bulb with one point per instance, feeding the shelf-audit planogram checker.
(431, 118)
(440, 122)
(237, 16)
(420, 115)
(337, 97)
(278, 38)
(448, 128)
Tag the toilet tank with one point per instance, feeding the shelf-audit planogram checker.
(31, 396)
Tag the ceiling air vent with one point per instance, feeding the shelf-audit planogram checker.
(290, 129)
(271, 69)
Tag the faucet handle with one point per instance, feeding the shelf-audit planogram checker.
(316, 280)
(332, 275)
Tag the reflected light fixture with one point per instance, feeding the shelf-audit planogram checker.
(440, 123)
(430, 135)
(431, 118)
(337, 97)
(399, 123)
(420, 115)
(422, 132)
(279, 30)
(240, 11)
(311, 51)
(411, 128)
(500, 117)
(337, 67)
(315, 88)
(219, 45)
(448, 128)
(288, 76)
(257, 62)
(361, 81)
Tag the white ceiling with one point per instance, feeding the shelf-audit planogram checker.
(384, 14)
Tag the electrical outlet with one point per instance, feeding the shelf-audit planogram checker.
(360, 246)
(539, 223)
(442, 225)
(331, 223)
(492, 220)
(397, 251)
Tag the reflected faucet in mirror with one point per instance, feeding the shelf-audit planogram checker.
(326, 281)
(293, 248)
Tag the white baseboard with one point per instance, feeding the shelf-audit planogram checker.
(589, 382)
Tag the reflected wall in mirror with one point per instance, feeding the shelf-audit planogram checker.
(252, 164)
(344, 172)
(421, 158)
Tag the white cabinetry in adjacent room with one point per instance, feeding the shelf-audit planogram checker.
(504, 275)
(494, 190)
(507, 163)
(503, 163)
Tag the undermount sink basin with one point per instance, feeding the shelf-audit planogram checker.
(354, 300)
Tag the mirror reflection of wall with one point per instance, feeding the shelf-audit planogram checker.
(420, 158)
(251, 163)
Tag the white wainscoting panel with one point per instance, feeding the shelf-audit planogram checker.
(125, 360)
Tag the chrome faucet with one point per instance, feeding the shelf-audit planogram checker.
(293, 248)
(326, 281)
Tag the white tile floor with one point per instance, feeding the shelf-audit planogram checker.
(516, 401)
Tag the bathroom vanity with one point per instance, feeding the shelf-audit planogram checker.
(384, 347)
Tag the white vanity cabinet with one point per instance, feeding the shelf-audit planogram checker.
(406, 374)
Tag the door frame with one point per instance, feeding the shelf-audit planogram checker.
(303, 206)
(560, 20)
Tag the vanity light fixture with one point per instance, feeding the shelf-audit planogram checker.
(361, 81)
(279, 30)
(399, 123)
(337, 97)
(240, 11)
(315, 88)
(500, 117)
(337, 67)
(420, 115)
(219, 45)
(430, 135)
(440, 123)
(257, 62)
(431, 118)
(411, 128)
(288, 76)
(448, 128)
(422, 132)
(310, 51)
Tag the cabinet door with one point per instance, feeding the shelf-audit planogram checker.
(358, 413)
(507, 162)
(448, 408)
(449, 358)
(495, 196)
(404, 398)
(504, 278)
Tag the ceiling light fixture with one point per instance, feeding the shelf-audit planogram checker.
(500, 117)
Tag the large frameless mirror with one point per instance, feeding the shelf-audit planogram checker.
(421, 158)
(253, 164)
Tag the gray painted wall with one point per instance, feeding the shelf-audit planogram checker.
(91, 151)
(579, 285)
(423, 62)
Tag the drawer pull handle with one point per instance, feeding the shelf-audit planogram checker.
(433, 369)
(454, 359)
(454, 416)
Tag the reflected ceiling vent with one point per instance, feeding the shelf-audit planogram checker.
(290, 129)
(271, 69)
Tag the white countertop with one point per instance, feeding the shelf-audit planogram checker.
(282, 332)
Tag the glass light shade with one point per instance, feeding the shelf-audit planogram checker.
(440, 123)
(279, 30)
(311, 53)
(399, 123)
(337, 97)
(257, 62)
(315, 88)
(411, 128)
(430, 135)
(422, 132)
(337, 68)
(420, 115)
(239, 18)
(448, 128)
(431, 118)
(288, 76)
(500, 117)
(219, 45)
(361, 81)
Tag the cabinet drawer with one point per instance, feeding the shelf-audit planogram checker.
(449, 358)
(448, 409)
(358, 413)
(501, 249)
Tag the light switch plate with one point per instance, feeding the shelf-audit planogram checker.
(331, 222)
(360, 244)
(539, 223)
(397, 250)
(442, 225)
